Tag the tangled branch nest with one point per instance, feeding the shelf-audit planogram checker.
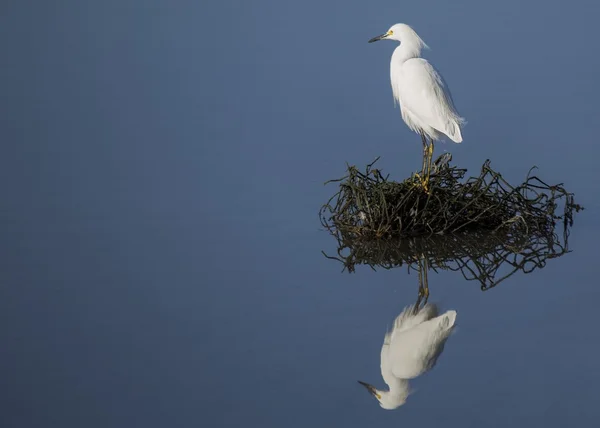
(369, 205)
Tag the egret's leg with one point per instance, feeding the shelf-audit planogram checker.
(423, 172)
(425, 280)
(424, 140)
(421, 293)
(431, 155)
(429, 161)
(422, 266)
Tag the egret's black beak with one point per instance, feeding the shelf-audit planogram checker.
(370, 388)
(374, 39)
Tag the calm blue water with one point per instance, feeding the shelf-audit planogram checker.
(161, 173)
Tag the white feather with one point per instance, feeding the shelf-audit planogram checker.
(412, 347)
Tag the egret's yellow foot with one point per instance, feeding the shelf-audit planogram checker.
(423, 181)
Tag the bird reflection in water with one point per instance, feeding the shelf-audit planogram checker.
(411, 348)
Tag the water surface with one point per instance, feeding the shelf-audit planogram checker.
(162, 171)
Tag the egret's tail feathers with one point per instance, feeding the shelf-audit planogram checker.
(448, 320)
(454, 132)
(408, 319)
(429, 311)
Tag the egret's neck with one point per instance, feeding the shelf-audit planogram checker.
(398, 387)
(396, 396)
(405, 52)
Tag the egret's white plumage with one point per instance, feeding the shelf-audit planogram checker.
(424, 98)
(411, 348)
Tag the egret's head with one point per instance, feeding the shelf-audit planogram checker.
(386, 399)
(401, 33)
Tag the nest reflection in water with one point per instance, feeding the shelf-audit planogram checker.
(487, 257)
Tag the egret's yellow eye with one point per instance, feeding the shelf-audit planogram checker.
(378, 396)
(390, 33)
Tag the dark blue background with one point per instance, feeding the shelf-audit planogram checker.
(161, 171)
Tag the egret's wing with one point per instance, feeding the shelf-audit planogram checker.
(415, 351)
(403, 322)
(424, 93)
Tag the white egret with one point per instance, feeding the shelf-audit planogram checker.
(409, 349)
(425, 101)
